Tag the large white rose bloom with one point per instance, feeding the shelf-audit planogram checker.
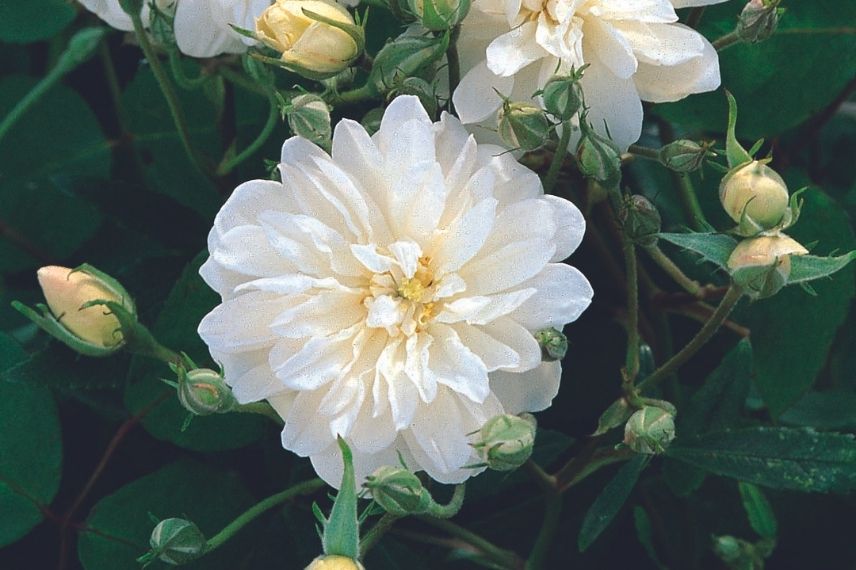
(635, 51)
(202, 27)
(388, 293)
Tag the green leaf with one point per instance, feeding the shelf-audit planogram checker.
(716, 405)
(168, 169)
(781, 82)
(645, 534)
(758, 510)
(57, 139)
(779, 458)
(119, 526)
(30, 450)
(792, 332)
(33, 20)
(810, 267)
(829, 410)
(715, 248)
(610, 501)
(189, 301)
(737, 155)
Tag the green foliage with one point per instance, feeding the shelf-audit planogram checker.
(781, 82)
(758, 510)
(188, 302)
(33, 20)
(610, 500)
(58, 138)
(793, 331)
(30, 450)
(779, 458)
(714, 248)
(120, 524)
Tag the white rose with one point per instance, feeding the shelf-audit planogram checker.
(389, 293)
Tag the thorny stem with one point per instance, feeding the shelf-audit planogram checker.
(552, 517)
(169, 94)
(304, 488)
(544, 480)
(644, 152)
(672, 270)
(505, 558)
(727, 41)
(558, 158)
(732, 296)
(689, 202)
(227, 165)
(454, 63)
(377, 531)
(631, 366)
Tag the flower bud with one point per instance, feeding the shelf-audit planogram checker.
(553, 343)
(563, 96)
(334, 562)
(204, 392)
(598, 157)
(754, 194)
(728, 548)
(640, 220)
(69, 294)
(684, 155)
(177, 542)
(317, 38)
(650, 430)
(505, 442)
(758, 20)
(762, 265)
(523, 126)
(405, 56)
(309, 117)
(439, 15)
(398, 491)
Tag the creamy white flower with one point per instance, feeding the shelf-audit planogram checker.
(388, 293)
(202, 27)
(634, 48)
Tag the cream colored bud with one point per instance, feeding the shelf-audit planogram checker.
(756, 191)
(66, 291)
(762, 265)
(334, 562)
(305, 42)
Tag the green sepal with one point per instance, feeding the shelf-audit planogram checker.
(45, 320)
(356, 32)
(614, 416)
(736, 154)
(405, 56)
(712, 247)
(342, 530)
(806, 268)
(81, 47)
(111, 283)
(758, 510)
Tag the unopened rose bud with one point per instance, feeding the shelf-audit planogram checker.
(505, 442)
(684, 155)
(553, 343)
(762, 265)
(317, 38)
(523, 126)
(398, 491)
(176, 542)
(405, 56)
(333, 562)
(650, 430)
(598, 157)
(439, 15)
(759, 20)
(70, 294)
(563, 96)
(754, 194)
(204, 392)
(728, 548)
(309, 117)
(640, 220)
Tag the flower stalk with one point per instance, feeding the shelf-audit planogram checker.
(558, 159)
